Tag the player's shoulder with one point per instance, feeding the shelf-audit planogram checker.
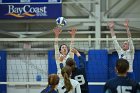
(125, 80)
(78, 70)
(74, 82)
(133, 82)
(112, 80)
(46, 89)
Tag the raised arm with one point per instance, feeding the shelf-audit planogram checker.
(72, 33)
(127, 29)
(57, 32)
(115, 42)
(81, 60)
(131, 45)
(111, 27)
(76, 52)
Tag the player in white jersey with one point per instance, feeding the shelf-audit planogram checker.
(67, 85)
(127, 50)
(63, 52)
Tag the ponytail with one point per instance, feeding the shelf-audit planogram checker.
(66, 72)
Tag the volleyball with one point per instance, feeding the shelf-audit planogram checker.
(61, 21)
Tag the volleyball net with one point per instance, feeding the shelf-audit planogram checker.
(27, 59)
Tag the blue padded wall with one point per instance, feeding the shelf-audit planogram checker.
(112, 58)
(97, 65)
(51, 62)
(95, 89)
(97, 69)
(136, 65)
(3, 68)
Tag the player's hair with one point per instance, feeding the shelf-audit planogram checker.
(61, 46)
(53, 80)
(71, 62)
(122, 66)
(66, 72)
(127, 41)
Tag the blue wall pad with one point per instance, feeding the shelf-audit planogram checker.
(97, 66)
(112, 58)
(96, 89)
(3, 68)
(136, 65)
(51, 62)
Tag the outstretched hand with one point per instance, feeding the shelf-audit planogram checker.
(57, 31)
(127, 28)
(111, 25)
(73, 32)
(126, 24)
(75, 52)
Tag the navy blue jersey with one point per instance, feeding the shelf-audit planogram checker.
(47, 90)
(121, 84)
(79, 74)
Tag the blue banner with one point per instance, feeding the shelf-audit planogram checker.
(30, 11)
(45, 0)
(20, 1)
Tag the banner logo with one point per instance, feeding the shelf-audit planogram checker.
(26, 11)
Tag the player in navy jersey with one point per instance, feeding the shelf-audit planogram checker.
(78, 74)
(122, 83)
(53, 81)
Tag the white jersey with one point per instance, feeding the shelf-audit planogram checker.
(75, 84)
(128, 54)
(57, 55)
(63, 62)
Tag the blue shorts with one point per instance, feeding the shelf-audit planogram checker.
(131, 75)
